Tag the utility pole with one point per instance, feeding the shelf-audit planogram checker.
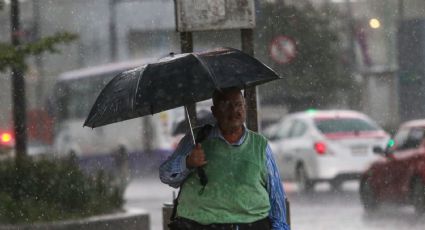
(18, 88)
(38, 60)
(186, 43)
(351, 68)
(351, 33)
(400, 18)
(250, 93)
(112, 30)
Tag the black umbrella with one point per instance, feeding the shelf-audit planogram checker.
(175, 81)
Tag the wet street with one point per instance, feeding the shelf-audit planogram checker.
(323, 210)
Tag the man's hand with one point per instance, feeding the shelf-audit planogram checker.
(196, 158)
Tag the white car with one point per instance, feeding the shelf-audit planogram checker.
(325, 146)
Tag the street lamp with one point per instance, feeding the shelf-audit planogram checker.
(374, 23)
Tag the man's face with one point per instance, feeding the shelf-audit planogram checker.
(230, 111)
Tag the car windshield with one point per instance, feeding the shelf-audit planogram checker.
(338, 125)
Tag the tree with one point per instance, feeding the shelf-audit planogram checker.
(317, 73)
(13, 56)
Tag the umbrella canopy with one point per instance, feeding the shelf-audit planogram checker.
(175, 81)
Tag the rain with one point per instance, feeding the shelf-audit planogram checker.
(345, 120)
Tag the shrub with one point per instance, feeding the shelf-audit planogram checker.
(47, 190)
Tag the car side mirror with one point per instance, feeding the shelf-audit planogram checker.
(387, 152)
(378, 150)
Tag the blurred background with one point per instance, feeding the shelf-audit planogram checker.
(362, 54)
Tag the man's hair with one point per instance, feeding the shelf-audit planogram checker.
(219, 94)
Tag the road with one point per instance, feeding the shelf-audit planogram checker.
(150, 194)
(322, 210)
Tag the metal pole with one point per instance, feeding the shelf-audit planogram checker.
(357, 101)
(18, 88)
(351, 31)
(250, 93)
(112, 30)
(38, 60)
(186, 42)
(400, 13)
(39, 92)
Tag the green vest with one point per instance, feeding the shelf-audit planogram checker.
(236, 190)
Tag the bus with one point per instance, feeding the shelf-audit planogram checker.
(145, 141)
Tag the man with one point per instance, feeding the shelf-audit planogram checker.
(244, 190)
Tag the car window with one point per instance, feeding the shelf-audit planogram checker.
(400, 137)
(412, 139)
(336, 125)
(297, 129)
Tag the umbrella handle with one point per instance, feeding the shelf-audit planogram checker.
(203, 179)
(200, 136)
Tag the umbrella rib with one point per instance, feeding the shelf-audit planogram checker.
(137, 86)
(211, 73)
(190, 125)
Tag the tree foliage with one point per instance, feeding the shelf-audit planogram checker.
(317, 73)
(14, 56)
(45, 190)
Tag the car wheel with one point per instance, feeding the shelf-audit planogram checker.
(418, 196)
(367, 196)
(304, 183)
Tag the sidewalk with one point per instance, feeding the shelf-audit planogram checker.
(150, 194)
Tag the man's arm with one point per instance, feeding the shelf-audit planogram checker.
(173, 171)
(276, 194)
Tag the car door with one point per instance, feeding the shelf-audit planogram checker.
(403, 163)
(278, 143)
(296, 147)
(394, 167)
(381, 174)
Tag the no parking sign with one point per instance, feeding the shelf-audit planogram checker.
(282, 49)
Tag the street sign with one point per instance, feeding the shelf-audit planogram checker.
(282, 49)
(196, 15)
